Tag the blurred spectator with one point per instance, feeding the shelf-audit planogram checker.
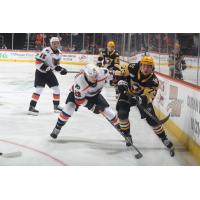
(39, 41)
(4, 46)
(176, 65)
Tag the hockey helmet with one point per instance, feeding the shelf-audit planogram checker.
(111, 44)
(54, 39)
(147, 60)
(91, 70)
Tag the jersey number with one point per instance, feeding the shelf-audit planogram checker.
(43, 56)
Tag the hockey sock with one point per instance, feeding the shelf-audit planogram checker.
(56, 99)
(125, 126)
(159, 131)
(56, 95)
(114, 121)
(62, 119)
(34, 100)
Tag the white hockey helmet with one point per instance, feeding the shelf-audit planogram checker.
(54, 39)
(91, 71)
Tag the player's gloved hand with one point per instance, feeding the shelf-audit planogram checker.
(122, 86)
(99, 64)
(94, 108)
(138, 100)
(63, 71)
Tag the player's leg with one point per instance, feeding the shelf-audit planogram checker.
(65, 114)
(52, 82)
(102, 106)
(39, 84)
(123, 109)
(56, 99)
(158, 129)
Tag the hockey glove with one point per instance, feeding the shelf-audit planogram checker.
(63, 71)
(122, 87)
(94, 108)
(141, 100)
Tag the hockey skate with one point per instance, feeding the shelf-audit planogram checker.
(128, 140)
(57, 109)
(127, 136)
(169, 146)
(55, 133)
(33, 111)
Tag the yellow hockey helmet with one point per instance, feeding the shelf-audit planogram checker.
(111, 44)
(147, 60)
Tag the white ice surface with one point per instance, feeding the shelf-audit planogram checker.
(87, 139)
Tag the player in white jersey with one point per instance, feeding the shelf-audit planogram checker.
(86, 91)
(46, 62)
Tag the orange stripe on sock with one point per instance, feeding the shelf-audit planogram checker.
(63, 117)
(35, 96)
(56, 96)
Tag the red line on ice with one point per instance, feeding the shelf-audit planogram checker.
(36, 150)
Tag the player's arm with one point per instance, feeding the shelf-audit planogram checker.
(116, 60)
(42, 56)
(148, 94)
(100, 59)
(183, 64)
(120, 73)
(60, 69)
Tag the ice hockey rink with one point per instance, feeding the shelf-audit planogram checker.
(86, 139)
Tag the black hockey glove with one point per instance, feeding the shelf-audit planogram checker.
(58, 68)
(141, 100)
(63, 71)
(94, 108)
(122, 87)
(99, 64)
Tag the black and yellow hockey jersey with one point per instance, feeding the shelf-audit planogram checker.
(141, 85)
(109, 59)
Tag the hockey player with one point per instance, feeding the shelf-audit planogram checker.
(46, 62)
(176, 65)
(86, 91)
(109, 58)
(140, 90)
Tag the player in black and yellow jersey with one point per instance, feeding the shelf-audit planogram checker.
(139, 88)
(109, 58)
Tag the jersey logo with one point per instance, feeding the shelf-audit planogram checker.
(155, 80)
(77, 87)
(77, 94)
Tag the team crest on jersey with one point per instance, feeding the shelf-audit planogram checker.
(155, 80)
(77, 87)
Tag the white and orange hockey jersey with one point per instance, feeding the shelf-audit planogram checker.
(83, 89)
(47, 59)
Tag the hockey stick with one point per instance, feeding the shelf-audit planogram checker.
(11, 154)
(155, 119)
(139, 154)
(73, 72)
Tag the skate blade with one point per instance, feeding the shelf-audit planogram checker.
(57, 111)
(33, 113)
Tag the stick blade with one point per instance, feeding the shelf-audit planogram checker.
(12, 154)
(162, 121)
